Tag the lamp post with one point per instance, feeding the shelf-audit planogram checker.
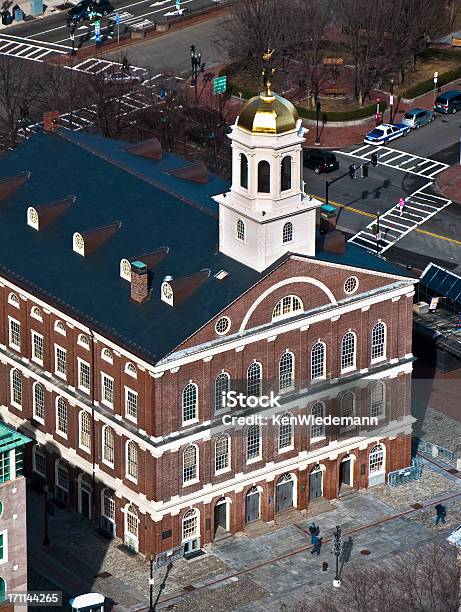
(378, 233)
(46, 539)
(436, 78)
(337, 552)
(317, 137)
(151, 582)
(197, 66)
(391, 102)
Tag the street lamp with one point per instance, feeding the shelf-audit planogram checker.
(391, 101)
(46, 539)
(378, 234)
(197, 66)
(337, 552)
(317, 137)
(436, 78)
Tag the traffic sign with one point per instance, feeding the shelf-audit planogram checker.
(178, 5)
(97, 28)
(220, 84)
(117, 18)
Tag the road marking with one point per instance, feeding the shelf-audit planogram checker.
(25, 49)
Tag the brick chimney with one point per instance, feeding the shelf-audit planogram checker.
(139, 282)
(51, 121)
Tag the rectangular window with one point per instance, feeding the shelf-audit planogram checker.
(253, 442)
(60, 361)
(5, 466)
(107, 389)
(15, 334)
(37, 348)
(4, 546)
(83, 375)
(131, 404)
(18, 463)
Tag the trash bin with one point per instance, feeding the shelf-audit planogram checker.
(6, 17)
(18, 14)
(328, 214)
(36, 7)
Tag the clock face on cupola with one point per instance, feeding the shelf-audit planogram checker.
(266, 213)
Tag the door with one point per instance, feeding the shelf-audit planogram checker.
(252, 507)
(345, 472)
(220, 516)
(315, 484)
(284, 495)
(85, 503)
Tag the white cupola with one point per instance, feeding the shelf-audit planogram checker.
(266, 213)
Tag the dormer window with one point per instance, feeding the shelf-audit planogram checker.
(13, 300)
(287, 307)
(32, 217)
(106, 354)
(79, 244)
(60, 328)
(167, 292)
(125, 269)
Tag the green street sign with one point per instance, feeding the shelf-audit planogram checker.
(220, 84)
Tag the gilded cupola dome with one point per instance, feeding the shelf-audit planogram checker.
(268, 113)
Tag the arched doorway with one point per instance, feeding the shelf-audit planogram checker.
(85, 493)
(284, 493)
(221, 518)
(346, 474)
(316, 483)
(131, 536)
(107, 520)
(252, 505)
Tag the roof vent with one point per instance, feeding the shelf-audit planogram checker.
(167, 278)
(221, 275)
(196, 172)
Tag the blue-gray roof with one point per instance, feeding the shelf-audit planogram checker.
(155, 210)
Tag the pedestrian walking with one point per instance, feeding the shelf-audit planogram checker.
(401, 205)
(441, 513)
(316, 544)
(312, 530)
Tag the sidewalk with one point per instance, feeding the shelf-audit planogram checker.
(51, 9)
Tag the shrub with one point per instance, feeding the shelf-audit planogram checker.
(428, 85)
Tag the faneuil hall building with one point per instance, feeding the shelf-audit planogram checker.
(136, 289)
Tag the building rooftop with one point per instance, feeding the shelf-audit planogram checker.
(10, 438)
(138, 207)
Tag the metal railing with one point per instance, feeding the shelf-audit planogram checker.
(399, 477)
(434, 450)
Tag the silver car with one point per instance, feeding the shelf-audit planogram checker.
(416, 117)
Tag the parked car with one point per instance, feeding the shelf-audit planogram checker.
(416, 117)
(82, 10)
(382, 134)
(319, 160)
(124, 77)
(448, 102)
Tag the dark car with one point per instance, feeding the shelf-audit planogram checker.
(82, 10)
(448, 102)
(319, 160)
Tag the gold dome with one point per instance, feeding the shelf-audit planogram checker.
(268, 113)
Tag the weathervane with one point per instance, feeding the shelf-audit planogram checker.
(267, 70)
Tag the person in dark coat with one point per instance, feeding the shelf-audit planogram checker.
(316, 543)
(441, 513)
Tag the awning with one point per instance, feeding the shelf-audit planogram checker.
(443, 282)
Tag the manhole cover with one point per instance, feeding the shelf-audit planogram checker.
(189, 587)
(365, 552)
(453, 471)
(416, 506)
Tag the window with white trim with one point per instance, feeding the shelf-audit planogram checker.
(106, 354)
(378, 341)
(16, 388)
(62, 475)
(318, 428)
(130, 369)
(253, 442)
(376, 459)
(39, 461)
(15, 334)
(83, 341)
(378, 399)
(13, 299)
(286, 371)
(287, 307)
(36, 313)
(62, 416)
(37, 347)
(132, 460)
(318, 360)
(5, 467)
(107, 391)
(348, 408)
(189, 402)
(190, 464)
(222, 325)
(132, 521)
(348, 351)
(4, 546)
(240, 230)
(221, 387)
(84, 380)
(108, 445)
(287, 232)
(60, 361)
(125, 269)
(38, 402)
(108, 504)
(351, 284)
(131, 404)
(85, 430)
(60, 327)
(190, 525)
(222, 453)
(254, 379)
(285, 432)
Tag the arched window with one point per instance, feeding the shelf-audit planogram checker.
(287, 232)
(378, 341)
(253, 442)
(39, 402)
(378, 399)
(36, 313)
(240, 230)
(348, 344)
(106, 354)
(13, 300)
(264, 177)
(318, 360)
(85, 430)
(61, 416)
(376, 461)
(347, 409)
(285, 432)
(189, 402)
(286, 371)
(108, 505)
(318, 428)
(243, 171)
(286, 173)
(131, 521)
(16, 388)
(286, 307)
(222, 453)
(60, 327)
(254, 377)
(221, 386)
(190, 525)
(132, 460)
(108, 445)
(125, 269)
(130, 369)
(83, 341)
(39, 460)
(190, 463)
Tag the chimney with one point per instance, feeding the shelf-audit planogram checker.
(51, 121)
(139, 282)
